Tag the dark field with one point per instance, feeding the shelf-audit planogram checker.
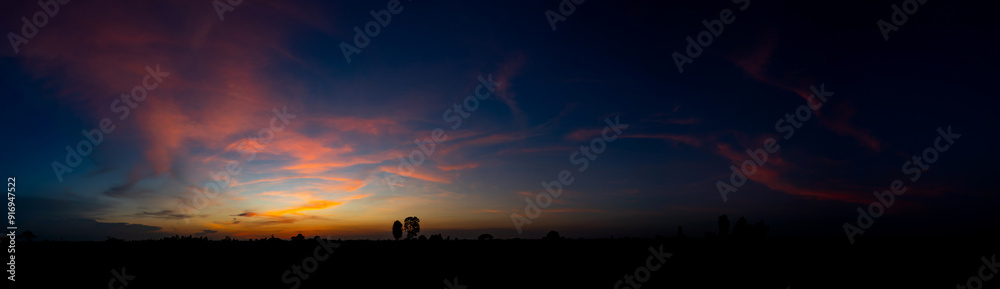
(921, 262)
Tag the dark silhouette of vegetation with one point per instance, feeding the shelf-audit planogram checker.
(745, 260)
(680, 232)
(188, 238)
(723, 226)
(412, 226)
(299, 237)
(760, 230)
(27, 236)
(397, 230)
(745, 230)
(741, 230)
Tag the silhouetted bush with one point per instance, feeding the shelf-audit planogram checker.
(397, 230)
(412, 226)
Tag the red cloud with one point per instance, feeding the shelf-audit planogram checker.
(459, 167)
(773, 175)
(693, 141)
(756, 64)
(508, 70)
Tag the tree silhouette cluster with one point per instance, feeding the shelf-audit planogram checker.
(742, 229)
(410, 225)
(397, 230)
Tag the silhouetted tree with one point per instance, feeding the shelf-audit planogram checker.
(741, 229)
(422, 238)
(412, 226)
(299, 238)
(485, 237)
(397, 230)
(436, 237)
(723, 226)
(552, 235)
(28, 236)
(680, 232)
(760, 230)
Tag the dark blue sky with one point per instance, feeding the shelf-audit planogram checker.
(333, 168)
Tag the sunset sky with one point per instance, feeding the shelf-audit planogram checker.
(324, 173)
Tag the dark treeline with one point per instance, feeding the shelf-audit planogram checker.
(739, 255)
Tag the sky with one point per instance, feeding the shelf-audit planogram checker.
(311, 140)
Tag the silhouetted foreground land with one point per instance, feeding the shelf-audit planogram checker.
(919, 262)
